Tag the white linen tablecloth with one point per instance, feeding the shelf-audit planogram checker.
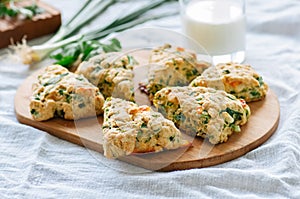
(34, 164)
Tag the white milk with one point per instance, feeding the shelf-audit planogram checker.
(219, 26)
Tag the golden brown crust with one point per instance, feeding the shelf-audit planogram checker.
(204, 112)
(172, 67)
(65, 94)
(129, 128)
(112, 73)
(238, 79)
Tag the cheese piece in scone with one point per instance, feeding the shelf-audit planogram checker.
(205, 112)
(171, 66)
(129, 128)
(112, 73)
(239, 80)
(65, 94)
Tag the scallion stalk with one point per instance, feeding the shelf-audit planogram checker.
(83, 16)
(102, 33)
(67, 33)
(136, 13)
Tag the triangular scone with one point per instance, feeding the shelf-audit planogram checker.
(171, 66)
(237, 79)
(205, 112)
(112, 73)
(129, 128)
(65, 94)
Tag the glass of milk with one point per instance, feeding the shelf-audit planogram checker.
(218, 25)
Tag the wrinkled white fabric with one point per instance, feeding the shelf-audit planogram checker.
(34, 164)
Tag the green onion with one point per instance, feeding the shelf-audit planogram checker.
(171, 138)
(234, 114)
(83, 16)
(260, 80)
(226, 71)
(33, 112)
(255, 94)
(55, 79)
(87, 44)
(69, 54)
(144, 125)
(235, 128)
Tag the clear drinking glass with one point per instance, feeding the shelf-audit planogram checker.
(218, 25)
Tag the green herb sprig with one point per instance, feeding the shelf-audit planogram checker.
(68, 47)
(69, 54)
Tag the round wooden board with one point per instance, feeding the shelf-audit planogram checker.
(87, 132)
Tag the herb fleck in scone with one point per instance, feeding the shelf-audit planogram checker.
(65, 94)
(205, 112)
(111, 73)
(237, 79)
(171, 67)
(129, 128)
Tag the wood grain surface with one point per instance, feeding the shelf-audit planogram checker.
(87, 132)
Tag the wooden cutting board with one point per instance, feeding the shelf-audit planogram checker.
(87, 132)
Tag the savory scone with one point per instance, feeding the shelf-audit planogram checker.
(108, 60)
(205, 112)
(171, 67)
(112, 73)
(129, 128)
(65, 94)
(237, 79)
